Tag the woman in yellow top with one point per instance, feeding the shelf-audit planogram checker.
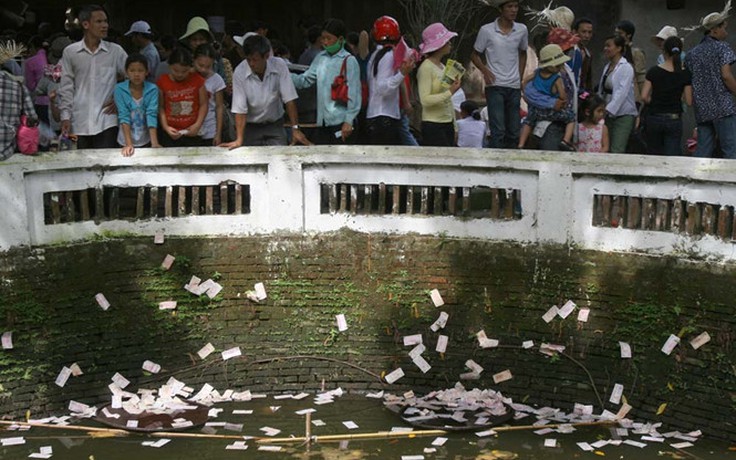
(438, 113)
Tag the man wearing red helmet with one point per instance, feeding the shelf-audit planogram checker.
(385, 77)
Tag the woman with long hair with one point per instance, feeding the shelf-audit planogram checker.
(665, 88)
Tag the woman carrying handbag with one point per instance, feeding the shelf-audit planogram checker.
(337, 76)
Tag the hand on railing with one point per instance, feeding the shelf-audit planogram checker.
(298, 137)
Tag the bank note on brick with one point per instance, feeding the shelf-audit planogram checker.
(618, 390)
(102, 301)
(440, 323)
(394, 375)
(76, 370)
(441, 344)
(625, 349)
(417, 351)
(168, 262)
(566, 309)
(63, 377)
(231, 353)
(436, 298)
(502, 376)
(342, 323)
(151, 367)
(422, 364)
(120, 381)
(205, 351)
(7, 340)
(75, 406)
(624, 411)
(527, 344)
(167, 305)
(214, 289)
(700, 340)
(410, 340)
(260, 291)
(670, 344)
(473, 366)
(551, 313)
(484, 341)
(583, 315)
(350, 425)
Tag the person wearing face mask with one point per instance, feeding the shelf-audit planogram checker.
(335, 119)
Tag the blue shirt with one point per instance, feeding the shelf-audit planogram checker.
(140, 115)
(712, 99)
(323, 71)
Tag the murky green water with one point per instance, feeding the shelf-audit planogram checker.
(368, 414)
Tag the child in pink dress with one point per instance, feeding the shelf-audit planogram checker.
(592, 130)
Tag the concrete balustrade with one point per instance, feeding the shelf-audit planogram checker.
(603, 202)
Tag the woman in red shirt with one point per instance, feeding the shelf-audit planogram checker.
(182, 102)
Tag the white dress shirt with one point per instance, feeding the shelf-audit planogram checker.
(383, 88)
(263, 100)
(88, 81)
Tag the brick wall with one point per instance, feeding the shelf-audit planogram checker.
(381, 284)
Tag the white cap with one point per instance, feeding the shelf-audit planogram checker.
(666, 32)
(140, 27)
(240, 39)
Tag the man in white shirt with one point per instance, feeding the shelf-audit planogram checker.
(500, 53)
(262, 86)
(91, 68)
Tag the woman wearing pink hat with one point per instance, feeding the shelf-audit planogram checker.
(438, 113)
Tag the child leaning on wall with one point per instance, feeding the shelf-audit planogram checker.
(137, 103)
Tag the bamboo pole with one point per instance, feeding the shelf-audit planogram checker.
(308, 428)
(348, 437)
(501, 429)
(177, 434)
(67, 427)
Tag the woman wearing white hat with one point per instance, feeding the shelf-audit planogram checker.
(438, 113)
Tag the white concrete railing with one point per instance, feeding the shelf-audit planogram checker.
(655, 204)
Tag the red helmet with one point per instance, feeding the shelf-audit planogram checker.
(386, 28)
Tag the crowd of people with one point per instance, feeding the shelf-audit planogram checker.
(243, 89)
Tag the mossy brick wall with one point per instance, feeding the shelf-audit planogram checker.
(381, 283)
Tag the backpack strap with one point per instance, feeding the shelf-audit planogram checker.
(343, 69)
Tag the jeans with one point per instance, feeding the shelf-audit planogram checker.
(503, 116)
(664, 135)
(725, 129)
(407, 138)
(619, 130)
